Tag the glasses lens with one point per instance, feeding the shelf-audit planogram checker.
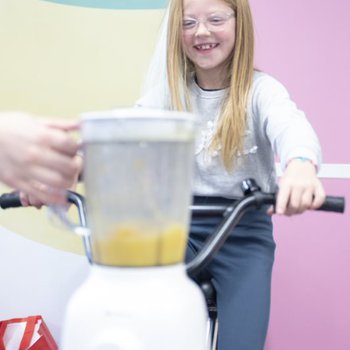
(189, 23)
(214, 23)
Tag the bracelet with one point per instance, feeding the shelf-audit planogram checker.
(304, 159)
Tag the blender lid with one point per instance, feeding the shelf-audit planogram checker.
(136, 113)
(133, 124)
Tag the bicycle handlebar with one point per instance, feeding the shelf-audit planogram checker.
(254, 198)
(332, 203)
(10, 200)
(232, 215)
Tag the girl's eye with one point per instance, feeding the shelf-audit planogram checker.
(216, 21)
(188, 23)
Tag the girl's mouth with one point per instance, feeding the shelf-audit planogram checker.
(205, 47)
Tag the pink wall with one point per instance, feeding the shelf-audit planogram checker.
(311, 286)
(305, 44)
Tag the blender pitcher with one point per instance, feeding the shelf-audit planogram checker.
(137, 174)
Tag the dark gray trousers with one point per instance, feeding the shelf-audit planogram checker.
(241, 273)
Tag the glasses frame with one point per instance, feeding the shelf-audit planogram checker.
(212, 28)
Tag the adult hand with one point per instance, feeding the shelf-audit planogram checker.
(299, 189)
(33, 201)
(37, 156)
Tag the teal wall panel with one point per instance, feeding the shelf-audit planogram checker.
(116, 4)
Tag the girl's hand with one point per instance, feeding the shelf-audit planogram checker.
(299, 189)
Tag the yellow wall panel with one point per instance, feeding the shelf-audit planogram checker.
(60, 60)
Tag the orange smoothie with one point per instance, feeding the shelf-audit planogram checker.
(133, 245)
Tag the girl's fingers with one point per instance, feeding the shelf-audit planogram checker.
(301, 200)
(294, 201)
(307, 200)
(24, 198)
(282, 199)
(271, 210)
(319, 196)
(36, 194)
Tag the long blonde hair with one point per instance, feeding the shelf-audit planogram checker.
(232, 122)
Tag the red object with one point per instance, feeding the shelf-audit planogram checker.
(45, 341)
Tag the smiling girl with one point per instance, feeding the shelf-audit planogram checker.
(246, 119)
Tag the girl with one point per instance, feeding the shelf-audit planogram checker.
(246, 119)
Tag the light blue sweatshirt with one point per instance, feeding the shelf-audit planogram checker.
(275, 128)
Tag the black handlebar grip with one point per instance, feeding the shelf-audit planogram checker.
(335, 204)
(10, 200)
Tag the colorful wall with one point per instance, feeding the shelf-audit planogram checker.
(305, 45)
(61, 59)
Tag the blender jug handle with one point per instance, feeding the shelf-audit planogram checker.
(82, 229)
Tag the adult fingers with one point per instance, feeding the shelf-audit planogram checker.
(64, 125)
(58, 140)
(65, 166)
(52, 178)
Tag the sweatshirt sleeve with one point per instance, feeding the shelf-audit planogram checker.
(156, 98)
(289, 132)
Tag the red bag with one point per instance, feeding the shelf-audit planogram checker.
(28, 333)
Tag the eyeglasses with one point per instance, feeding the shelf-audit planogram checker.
(214, 22)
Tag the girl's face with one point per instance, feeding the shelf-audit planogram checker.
(208, 35)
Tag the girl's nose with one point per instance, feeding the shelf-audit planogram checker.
(202, 29)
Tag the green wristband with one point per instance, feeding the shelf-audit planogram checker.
(304, 159)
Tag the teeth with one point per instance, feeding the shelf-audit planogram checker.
(206, 46)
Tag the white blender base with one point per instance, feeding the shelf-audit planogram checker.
(148, 308)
